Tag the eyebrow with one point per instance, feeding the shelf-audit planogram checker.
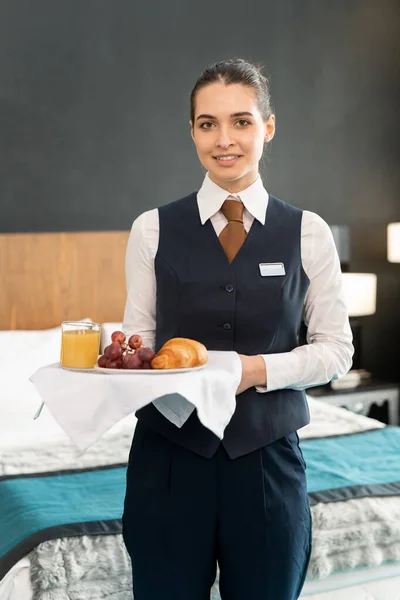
(238, 114)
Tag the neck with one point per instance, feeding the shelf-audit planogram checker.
(236, 186)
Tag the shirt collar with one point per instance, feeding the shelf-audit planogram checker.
(211, 196)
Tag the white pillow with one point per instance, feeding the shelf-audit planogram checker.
(21, 354)
(18, 396)
(21, 342)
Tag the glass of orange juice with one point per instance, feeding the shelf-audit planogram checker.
(80, 344)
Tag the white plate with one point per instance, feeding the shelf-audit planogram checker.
(146, 371)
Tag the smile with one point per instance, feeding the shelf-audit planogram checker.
(228, 160)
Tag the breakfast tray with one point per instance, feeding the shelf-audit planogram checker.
(87, 404)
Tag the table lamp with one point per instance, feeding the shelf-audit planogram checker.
(360, 296)
(393, 242)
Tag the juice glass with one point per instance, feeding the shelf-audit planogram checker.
(80, 344)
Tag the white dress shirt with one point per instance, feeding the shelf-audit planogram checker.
(328, 354)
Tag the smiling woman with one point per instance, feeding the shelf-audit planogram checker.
(228, 145)
(235, 269)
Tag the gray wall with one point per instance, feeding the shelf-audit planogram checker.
(94, 111)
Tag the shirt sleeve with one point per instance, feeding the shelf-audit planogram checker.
(329, 351)
(140, 307)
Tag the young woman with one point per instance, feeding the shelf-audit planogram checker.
(236, 269)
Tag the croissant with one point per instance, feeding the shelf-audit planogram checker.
(180, 353)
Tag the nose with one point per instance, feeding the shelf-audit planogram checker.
(224, 138)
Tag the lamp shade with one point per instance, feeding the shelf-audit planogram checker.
(360, 293)
(393, 242)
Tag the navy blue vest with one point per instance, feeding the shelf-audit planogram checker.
(231, 307)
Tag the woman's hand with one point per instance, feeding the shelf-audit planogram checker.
(253, 372)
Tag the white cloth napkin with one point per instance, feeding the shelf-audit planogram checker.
(86, 405)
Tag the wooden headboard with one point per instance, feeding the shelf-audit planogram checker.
(46, 278)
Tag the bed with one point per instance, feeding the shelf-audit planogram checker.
(70, 566)
(355, 504)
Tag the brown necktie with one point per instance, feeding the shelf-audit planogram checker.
(234, 233)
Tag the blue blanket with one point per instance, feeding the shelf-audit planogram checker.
(353, 466)
(36, 508)
(40, 507)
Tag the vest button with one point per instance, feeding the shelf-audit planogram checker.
(229, 287)
(227, 326)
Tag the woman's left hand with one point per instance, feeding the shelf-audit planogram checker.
(253, 372)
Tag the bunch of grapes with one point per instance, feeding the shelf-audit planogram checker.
(126, 355)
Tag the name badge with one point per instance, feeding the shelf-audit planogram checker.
(270, 269)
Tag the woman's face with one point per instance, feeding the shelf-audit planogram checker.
(218, 130)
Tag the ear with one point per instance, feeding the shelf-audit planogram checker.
(269, 129)
(191, 130)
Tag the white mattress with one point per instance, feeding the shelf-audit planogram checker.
(16, 584)
(381, 583)
(382, 589)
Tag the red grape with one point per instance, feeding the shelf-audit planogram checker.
(118, 336)
(113, 364)
(113, 351)
(146, 365)
(132, 361)
(146, 354)
(125, 361)
(102, 361)
(135, 341)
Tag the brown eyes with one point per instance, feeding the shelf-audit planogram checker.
(211, 123)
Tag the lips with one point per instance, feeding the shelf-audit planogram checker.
(226, 155)
(227, 163)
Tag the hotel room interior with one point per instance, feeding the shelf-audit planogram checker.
(94, 111)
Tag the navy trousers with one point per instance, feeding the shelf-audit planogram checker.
(184, 512)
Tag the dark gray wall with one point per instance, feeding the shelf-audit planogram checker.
(94, 111)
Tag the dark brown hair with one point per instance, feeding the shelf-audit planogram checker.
(236, 70)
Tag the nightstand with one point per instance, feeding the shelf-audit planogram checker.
(363, 399)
